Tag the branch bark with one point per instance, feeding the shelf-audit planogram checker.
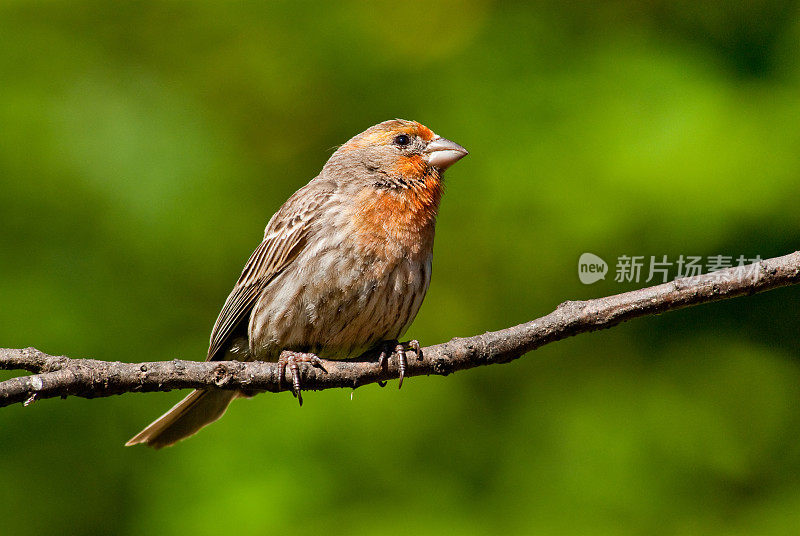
(59, 376)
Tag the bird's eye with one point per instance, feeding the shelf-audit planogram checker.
(402, 139)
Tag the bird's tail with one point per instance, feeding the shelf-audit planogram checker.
(186, 418)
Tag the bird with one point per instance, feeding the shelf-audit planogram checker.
(342, 269)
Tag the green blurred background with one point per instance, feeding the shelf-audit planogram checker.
(143, 147)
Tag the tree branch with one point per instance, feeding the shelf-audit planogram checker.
(62, 376)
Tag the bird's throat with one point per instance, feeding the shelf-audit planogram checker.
(401, 218)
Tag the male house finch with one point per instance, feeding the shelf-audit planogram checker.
(343, 268)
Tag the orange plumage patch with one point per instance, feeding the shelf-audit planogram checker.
(399, 221)
(377, 138)
(417, 129)
(382, 137)
(424, 132)
(412, 166)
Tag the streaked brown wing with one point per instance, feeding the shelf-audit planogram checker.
(284, 238)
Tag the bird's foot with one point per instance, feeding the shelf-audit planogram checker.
(388, 348)
(292, 360)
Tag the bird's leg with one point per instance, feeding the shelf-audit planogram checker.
(394, 347)
(291, 360)
(383, 358)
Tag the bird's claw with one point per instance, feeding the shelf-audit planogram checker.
(292, 360)
(393, 347)
(414, 344)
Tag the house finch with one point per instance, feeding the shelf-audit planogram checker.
(343, 268)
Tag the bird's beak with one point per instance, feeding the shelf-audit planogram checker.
(443, 153)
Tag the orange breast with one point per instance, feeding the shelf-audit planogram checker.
(398, 222)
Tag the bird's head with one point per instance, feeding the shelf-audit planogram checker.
(396, 154)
